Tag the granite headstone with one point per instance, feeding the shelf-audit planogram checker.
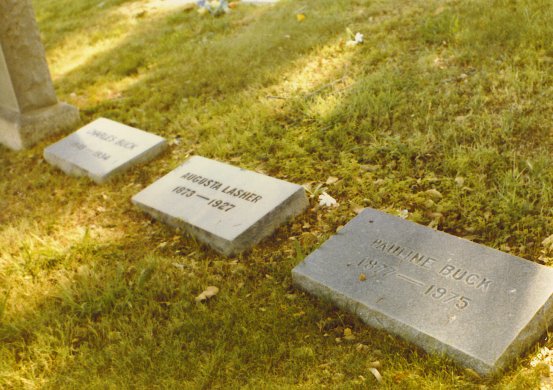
(479, 306)
(102, 149)
(228, 208)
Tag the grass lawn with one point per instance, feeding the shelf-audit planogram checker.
(452, 95)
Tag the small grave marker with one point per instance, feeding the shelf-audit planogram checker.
(228, 208)
(103, 149)
(479, 306)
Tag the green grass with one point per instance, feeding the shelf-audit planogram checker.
(446, 95)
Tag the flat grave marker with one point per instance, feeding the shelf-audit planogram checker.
(479, 306)
(102, 149)
(229, 208)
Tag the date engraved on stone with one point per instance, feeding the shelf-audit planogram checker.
(229, 208)
(377, 268)
(103, 149)
(442, 292)
(444, 295)
(221, 205)
(184, 191)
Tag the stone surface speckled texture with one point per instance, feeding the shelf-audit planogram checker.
(29, 109)
(103, 149)
(228, 208)
(479, 306)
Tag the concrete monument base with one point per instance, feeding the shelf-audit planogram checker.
(22, 130)
(29, 109)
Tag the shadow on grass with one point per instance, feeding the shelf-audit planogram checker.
(102, 312)
(129, 320)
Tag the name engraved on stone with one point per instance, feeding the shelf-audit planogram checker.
(479, 306)
(228, 208)
(103, 149)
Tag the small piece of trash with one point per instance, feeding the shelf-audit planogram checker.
(209, 292)
(376, 374)
(355, 40)
(327, 200)
(404, 213)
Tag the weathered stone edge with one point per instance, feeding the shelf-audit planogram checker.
(75, 170)
(294, 205)
(216, 242)
(147, 155)
(68, 168)
(19, 131)
(538, 325)
(378, 320)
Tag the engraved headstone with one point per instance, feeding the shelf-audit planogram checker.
(228, 208)
(29, 109)
(479, 306)
(102, 149)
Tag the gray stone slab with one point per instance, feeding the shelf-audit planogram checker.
(228, 208)
(102, 149)
(479, 306)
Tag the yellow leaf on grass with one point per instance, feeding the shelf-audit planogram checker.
(376, 374)
(548, 243)
(348, 334)
(434, 194)
(209, 292)
(331, 180)
(300, 17)
(356, 208)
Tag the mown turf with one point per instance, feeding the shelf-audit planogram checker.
(452, 96)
